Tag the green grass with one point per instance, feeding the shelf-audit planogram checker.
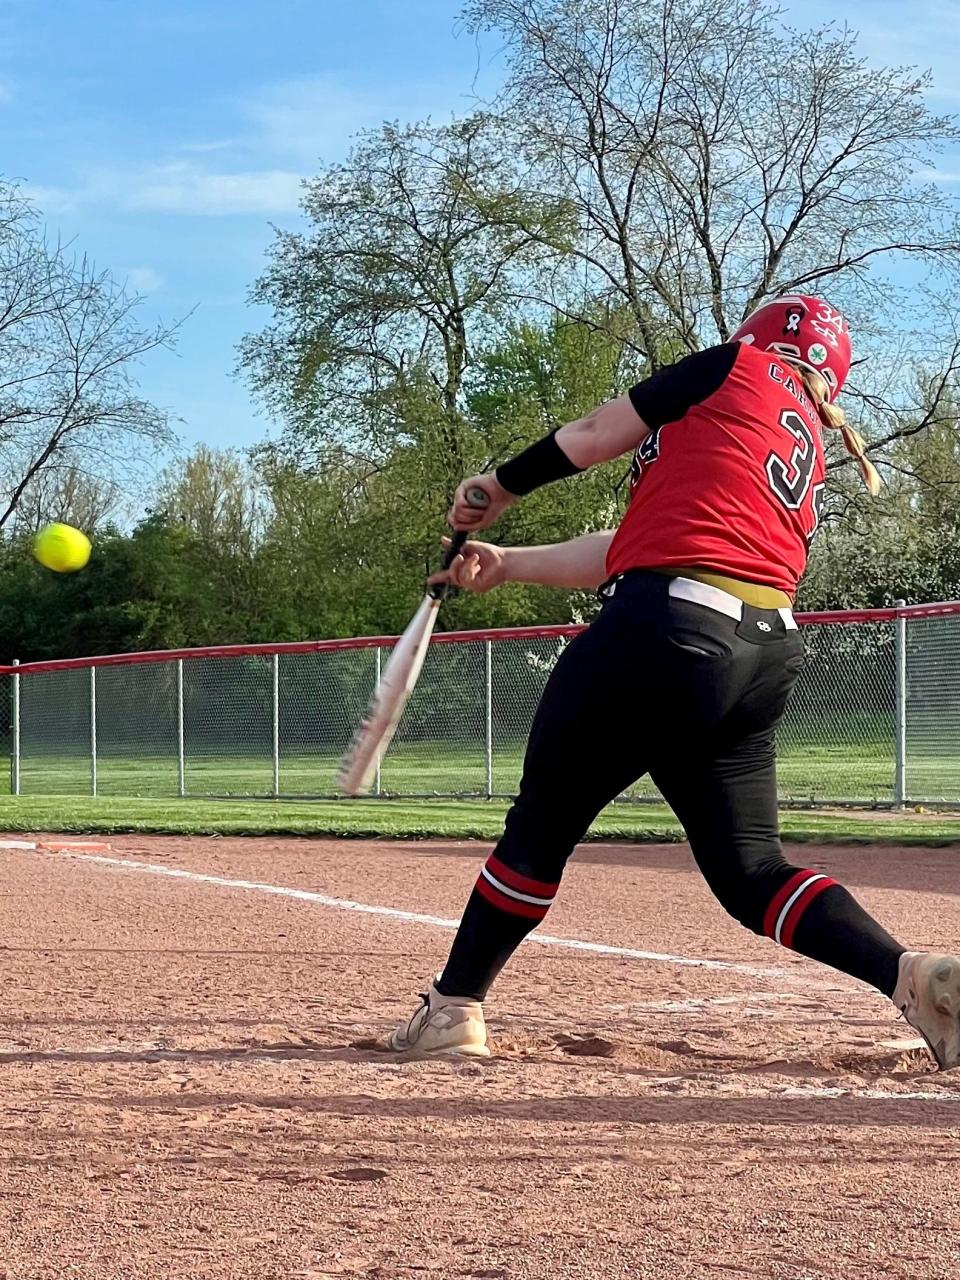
(139, 794)
(809, 773)
(419, 819)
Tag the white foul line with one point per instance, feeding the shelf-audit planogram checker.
(597, 948)
(872, 1095)
(802, 1091)
(416, 917)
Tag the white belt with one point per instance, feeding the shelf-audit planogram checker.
(721, 601)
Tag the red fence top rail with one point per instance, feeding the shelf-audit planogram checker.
(268, 650)
(939, 609)
(827, 618)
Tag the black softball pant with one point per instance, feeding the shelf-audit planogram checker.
(665, 686)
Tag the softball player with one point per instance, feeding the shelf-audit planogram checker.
(687, 669)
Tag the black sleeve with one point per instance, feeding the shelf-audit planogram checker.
(667, 395)
(542, 463)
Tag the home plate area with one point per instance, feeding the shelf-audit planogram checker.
(196, 1082)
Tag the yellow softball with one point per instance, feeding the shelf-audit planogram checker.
(61, 548)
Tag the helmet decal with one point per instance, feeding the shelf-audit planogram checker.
(828, 323)
(795, 314)
(805, 330)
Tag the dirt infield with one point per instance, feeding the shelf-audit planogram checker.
(192, 1085)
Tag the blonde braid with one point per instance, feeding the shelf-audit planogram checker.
(833, 417)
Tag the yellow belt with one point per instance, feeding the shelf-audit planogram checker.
(752, 593)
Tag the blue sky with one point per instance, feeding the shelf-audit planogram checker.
(167, 137)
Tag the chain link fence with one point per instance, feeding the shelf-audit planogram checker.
(874, 719)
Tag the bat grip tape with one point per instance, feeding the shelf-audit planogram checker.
(439, 590)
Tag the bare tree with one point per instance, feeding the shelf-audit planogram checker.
(68, 346)
(65, 491)
(215, 494)
(712, 157)
(652, 170)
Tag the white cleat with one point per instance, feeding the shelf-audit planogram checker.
(928, 996)
(443, 1024)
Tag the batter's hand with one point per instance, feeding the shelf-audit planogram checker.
(467, 516)
(479, 567)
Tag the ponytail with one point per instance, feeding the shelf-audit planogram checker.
(835, 418)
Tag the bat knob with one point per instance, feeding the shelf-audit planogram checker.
(478, 498)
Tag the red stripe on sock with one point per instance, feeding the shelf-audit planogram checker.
(512, 906)
(778, 900)
(799, 907)
(523, 884)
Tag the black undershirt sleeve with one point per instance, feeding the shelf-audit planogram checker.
(667, 395)
(541, 464)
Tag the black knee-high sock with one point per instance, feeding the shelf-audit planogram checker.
(811, 914)
(503, 908)
(818, 917)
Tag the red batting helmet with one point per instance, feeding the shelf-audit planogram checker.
(803, 329)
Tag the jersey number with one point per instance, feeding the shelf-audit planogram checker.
(790, 478)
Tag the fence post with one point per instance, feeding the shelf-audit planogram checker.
(15, 735)
(377, 661)
(181, 757)
(900, 716)
(93, 731)
(276, 726)
(488, 713)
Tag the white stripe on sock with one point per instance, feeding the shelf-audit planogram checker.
(791, 900)
(514, 893)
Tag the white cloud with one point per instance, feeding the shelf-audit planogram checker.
(185, 188)
(204, 148)
(145, 279)
(937, 175)
(286, 129)
(50, 199)
(313, 116)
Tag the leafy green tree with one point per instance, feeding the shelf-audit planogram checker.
(647, 176)
(351, 543)
(217, 497)
(906, 544)
(416, 248)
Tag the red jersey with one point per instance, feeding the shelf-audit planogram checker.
(731, 477)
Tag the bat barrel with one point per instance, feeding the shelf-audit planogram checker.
(398, 679)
